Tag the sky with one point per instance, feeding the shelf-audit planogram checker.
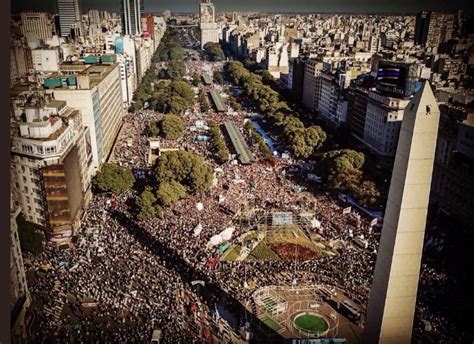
(315, 6)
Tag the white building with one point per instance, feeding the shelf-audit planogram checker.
(143, 53)
(383, 122)
(50, 165)
(38, 23)
(98, 95)
(127, 78)
(207, 23)
(45, 60)
(374, 44)
(311, 84)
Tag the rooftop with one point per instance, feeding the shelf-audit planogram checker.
(57, 104)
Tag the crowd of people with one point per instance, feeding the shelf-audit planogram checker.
(123, 278)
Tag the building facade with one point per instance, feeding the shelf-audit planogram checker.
(50, 167)
(38, 23)
(69, 12)
(97, 94)
(207, 23)
(433, 28)
(131, 17)
(382, 124)
(19, 295)
(311, 84)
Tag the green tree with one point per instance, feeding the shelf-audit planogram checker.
(182, 89)
(171, 127)
(114, 178)
(154, 129)
(146, 205)
(203, 101)
(30, 235)
(176, 105)
(218, 145)
(366, 193)
(169, 192)
(187, 168)
(214, 51)
(219, 77)
(196, 79)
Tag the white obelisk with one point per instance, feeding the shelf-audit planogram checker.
(393, 295)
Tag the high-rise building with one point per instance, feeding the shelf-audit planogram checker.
(392, 299)
(311, 84)
(384, 116)
(131, 17)
(50, 172)
(433, 28)
(69, 14)
(207, 23)
(20, 60)
(38, 23)
(453, 184)
(96, 91)
(19, 294)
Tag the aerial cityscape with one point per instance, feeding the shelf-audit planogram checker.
(252, 173)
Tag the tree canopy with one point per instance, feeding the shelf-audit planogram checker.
(301, 141)
(218, 145)
(113, 178)
(171, 127)
(173, 97)
(186, 168)
(169, 192)
(214, 51)
(146, 204)
(342, 169)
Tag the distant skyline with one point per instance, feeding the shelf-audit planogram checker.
(314, 6)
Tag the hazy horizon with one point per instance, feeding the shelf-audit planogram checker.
(282, 6)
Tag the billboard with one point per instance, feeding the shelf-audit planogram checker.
(396, 78)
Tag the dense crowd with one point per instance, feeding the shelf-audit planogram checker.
(122, 278)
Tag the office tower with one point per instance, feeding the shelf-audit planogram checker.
(20, 60)
(207, 23)
(312, 84)
(374, 44)
(50, 175)
(19, 294)
(38, 23)
(69, 14)
(392, 299)
(131, 17)
(95, 90)
(94, 17)
(433, 28)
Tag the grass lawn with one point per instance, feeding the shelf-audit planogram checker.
(233, 253)
(262, 252)
(311, 323)
(251, 235)
(271, 323)
(290, 235)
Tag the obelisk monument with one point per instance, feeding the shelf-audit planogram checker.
(392, 299)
